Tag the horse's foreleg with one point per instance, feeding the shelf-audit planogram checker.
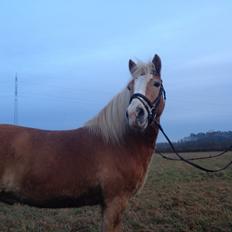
(112, 213)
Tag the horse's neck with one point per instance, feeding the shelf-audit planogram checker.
(142, 144)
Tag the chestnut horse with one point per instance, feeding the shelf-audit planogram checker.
(102, 163)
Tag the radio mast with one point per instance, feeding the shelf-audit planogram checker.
(16, 100)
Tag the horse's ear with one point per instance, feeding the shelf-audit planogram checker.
(132, 66)
(157, 63)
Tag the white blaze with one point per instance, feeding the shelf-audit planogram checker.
(140, 86)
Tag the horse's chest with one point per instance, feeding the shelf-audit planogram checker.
(141, 176)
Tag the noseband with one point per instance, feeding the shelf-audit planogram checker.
(150, 107)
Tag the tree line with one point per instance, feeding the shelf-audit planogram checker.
(209, 141)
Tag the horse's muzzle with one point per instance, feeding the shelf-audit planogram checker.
(137, 118)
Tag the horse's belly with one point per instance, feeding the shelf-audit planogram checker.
(92, 197)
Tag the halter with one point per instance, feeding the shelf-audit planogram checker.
(150, 106)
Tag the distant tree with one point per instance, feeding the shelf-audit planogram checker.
(209, 141)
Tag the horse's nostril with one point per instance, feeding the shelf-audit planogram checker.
(140, 113)
(127, 116)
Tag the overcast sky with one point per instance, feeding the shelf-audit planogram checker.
(72, 57)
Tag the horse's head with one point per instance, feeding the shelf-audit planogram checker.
(147, 94)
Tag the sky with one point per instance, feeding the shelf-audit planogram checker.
(71, 58)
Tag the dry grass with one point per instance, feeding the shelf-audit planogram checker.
(176, 197)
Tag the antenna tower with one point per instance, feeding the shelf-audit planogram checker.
(16, 100)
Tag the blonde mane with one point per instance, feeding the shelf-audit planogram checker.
(143, 68)
(111, 121)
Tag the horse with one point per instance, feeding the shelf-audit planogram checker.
(104, 163)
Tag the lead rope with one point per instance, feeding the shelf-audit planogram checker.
(196, 158)
(188, 160)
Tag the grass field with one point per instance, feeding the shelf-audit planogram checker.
(176, 197)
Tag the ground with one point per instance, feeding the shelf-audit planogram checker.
(176, 197)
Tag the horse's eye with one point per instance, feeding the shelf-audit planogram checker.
(157, 84)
